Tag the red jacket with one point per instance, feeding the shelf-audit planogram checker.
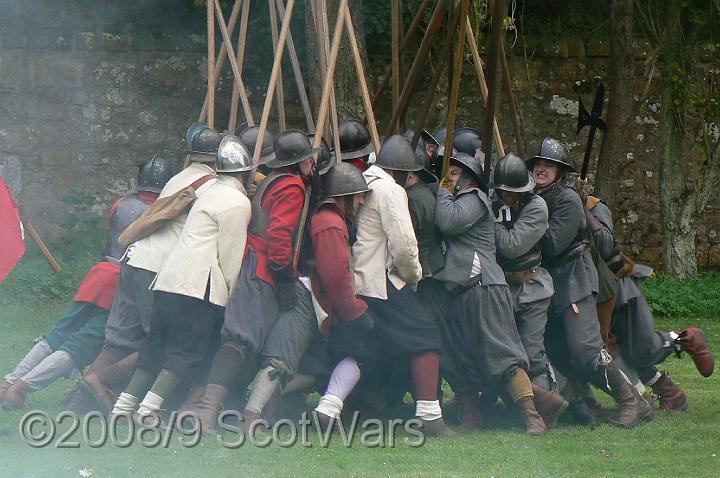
(332, 282)
(283, 201)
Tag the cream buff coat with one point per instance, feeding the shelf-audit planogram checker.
(151, 252)
(386, 246)
(211, 245)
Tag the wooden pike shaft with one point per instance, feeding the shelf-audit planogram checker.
(329, 74)
(395, 64)
(220, 63)
(442, 61)
(406, 39)
(273, 80)
(507, 82)
(279, 87)
(370, 114)
(232, 121)
(297, 72)
(415, 70)
(498, 15)
(477, 63)
(455, 87)
(211, 63)
(319, 11)
(41, 245)
(237, 73)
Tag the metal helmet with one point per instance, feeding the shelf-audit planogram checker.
(344, 180)
(410, 134)
(205, 144)
(233, 156)
(439, 135)
(429, 138)
(291, 147)
(551, 150)
(423, 159)
(397, 154)
(240, 128)
(326, 157)
(467, 140)
(249, 135)
(511, 174)
(154, 174)
(470, 165)
(355, 140)
(192, 131)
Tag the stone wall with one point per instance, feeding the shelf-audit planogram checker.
(90, 89)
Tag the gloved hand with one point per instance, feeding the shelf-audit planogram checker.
(447, 183)
(365, 322)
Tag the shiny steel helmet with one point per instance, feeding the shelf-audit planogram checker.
(344, 180)
(511, 174)
(233, 156)
(551, 150)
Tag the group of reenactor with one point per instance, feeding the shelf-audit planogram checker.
(363, 275)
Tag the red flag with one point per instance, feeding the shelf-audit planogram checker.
(12, 246)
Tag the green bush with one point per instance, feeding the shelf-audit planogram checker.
(698, 297)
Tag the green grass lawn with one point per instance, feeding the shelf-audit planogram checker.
(686, 444)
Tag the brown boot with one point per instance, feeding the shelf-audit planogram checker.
(646, 409)
(4, 386)
(692, 340)
(534, 424)
(622, 391)
(209, 407)
(470, 415)
(105, 398)
(550, 405)
(14, 398)
(672, 397)
(436, 428)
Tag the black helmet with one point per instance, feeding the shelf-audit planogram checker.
(397, 154)
(326, 157)
(249, 135)
(344, 180)
(291, 147)
(233, 156)
(204, 144)
(154, 174)
(192, 131)
(355, 140)
(467, 140)
(423, 159)
(425, 134)
(240, 128)
(551, 150)
(510, 174)
(471, 165)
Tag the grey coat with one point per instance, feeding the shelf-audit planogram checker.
(467, 224)
(575, 277)
(527, 229)
(422, 202)
(605, 241)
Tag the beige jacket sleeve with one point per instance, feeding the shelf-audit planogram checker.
(402, 244)
(232, 238)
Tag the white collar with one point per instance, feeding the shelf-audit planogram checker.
(378, 172)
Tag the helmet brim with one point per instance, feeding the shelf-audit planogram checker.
(530, 163)
(358, 153)
(202, 156)
(366, 190)
(277, 163)
(527, 188)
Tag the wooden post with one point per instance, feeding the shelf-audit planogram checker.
(232, 121)
(220, 63)
(334, 122)
(279, 88)
(329, 74)
(507, 81)
(498, 16)
(406, 39)
(273, 80)
(415, 70)
(455, 87)
(477, 63)
(41, 245)
(211, 63)
(370, 114)
(297, 72)
(237, 73)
